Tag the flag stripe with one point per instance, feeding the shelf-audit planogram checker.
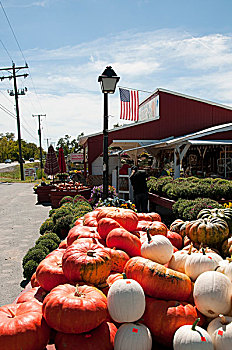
(129, 104)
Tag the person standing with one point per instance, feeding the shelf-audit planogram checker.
(138, 180)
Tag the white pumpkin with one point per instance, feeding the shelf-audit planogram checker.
(192, 337)
(220, 330)
(228, 271)
(177, 261)
(131, 336)
(126, 301)
(157, 248)
(212, 294)
(222, 265)
(197, 263)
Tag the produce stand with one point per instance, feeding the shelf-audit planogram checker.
(157, 200)
(56, 195)
(43, 193)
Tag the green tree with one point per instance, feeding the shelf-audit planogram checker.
(68, 145)
(9, 148)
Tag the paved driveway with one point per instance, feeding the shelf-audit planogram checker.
(20, 220)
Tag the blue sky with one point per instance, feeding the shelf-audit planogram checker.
(184, 46)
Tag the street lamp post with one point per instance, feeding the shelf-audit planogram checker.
(108, 81)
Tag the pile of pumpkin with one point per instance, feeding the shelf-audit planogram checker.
(121, 280)
(71, 186)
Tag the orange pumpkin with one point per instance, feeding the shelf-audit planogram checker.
(105, 225)
(119, 259)
(23, 327)
(90, 219)
(34, 282)
(157, 228)
(163, 318)
(49, 273)
(34, 294)
(127, 218)
(157, 280)
(101, 337)
(81, 232)
(124, 240)
(86, 262)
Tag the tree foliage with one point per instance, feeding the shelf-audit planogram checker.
(9, 148)
(68, 145)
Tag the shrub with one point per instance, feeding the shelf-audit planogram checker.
(49, 235)
(51, 212)
(63, 225)
(66, 199)
(35, 254)
(188, 210)
(29, 268)
(79, 198)
(60, 212)
(48, 243)
(47, 225)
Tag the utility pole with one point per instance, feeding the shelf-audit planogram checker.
(16, 93)
(47, 139)
(39, 132)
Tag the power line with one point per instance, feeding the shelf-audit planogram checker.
(12, 30)
(6, 50)
(30, 76)
(7, 111)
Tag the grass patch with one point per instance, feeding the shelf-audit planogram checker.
(13, 174)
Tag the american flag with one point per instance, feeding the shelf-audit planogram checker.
(129, 104)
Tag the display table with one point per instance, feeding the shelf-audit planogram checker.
(56, 195)
(157, 200)
(43, 193)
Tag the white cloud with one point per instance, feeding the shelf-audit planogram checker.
(66, 78)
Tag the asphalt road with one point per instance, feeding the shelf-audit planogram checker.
(20, 220)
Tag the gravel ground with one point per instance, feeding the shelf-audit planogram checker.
(20, 220)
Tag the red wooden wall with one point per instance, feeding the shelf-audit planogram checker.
(179, 116)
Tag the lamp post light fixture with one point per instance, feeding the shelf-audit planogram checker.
(108, 81)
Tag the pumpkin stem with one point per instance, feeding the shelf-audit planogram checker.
(203, 251)
(90, 252)
(223, 319)
(148, 236)
(194, 324)
(11, 312)
(190, 248)
(77, 293)
(124, 276)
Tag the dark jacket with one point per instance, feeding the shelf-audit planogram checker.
(139, 181)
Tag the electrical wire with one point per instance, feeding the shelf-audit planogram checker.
(6, 50)
(6, 110)
(12, 30)
(33, 85)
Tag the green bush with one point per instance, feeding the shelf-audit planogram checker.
(51, 212)
(60, 212)
(63, 225)
(66, 199)
(188, 210)
(50, 235)
(29, 268)
(79, 198)
(191, 188)
(48, 243)
(47, 225)
(35, 254)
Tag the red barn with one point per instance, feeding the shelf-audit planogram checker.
(167, 115)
